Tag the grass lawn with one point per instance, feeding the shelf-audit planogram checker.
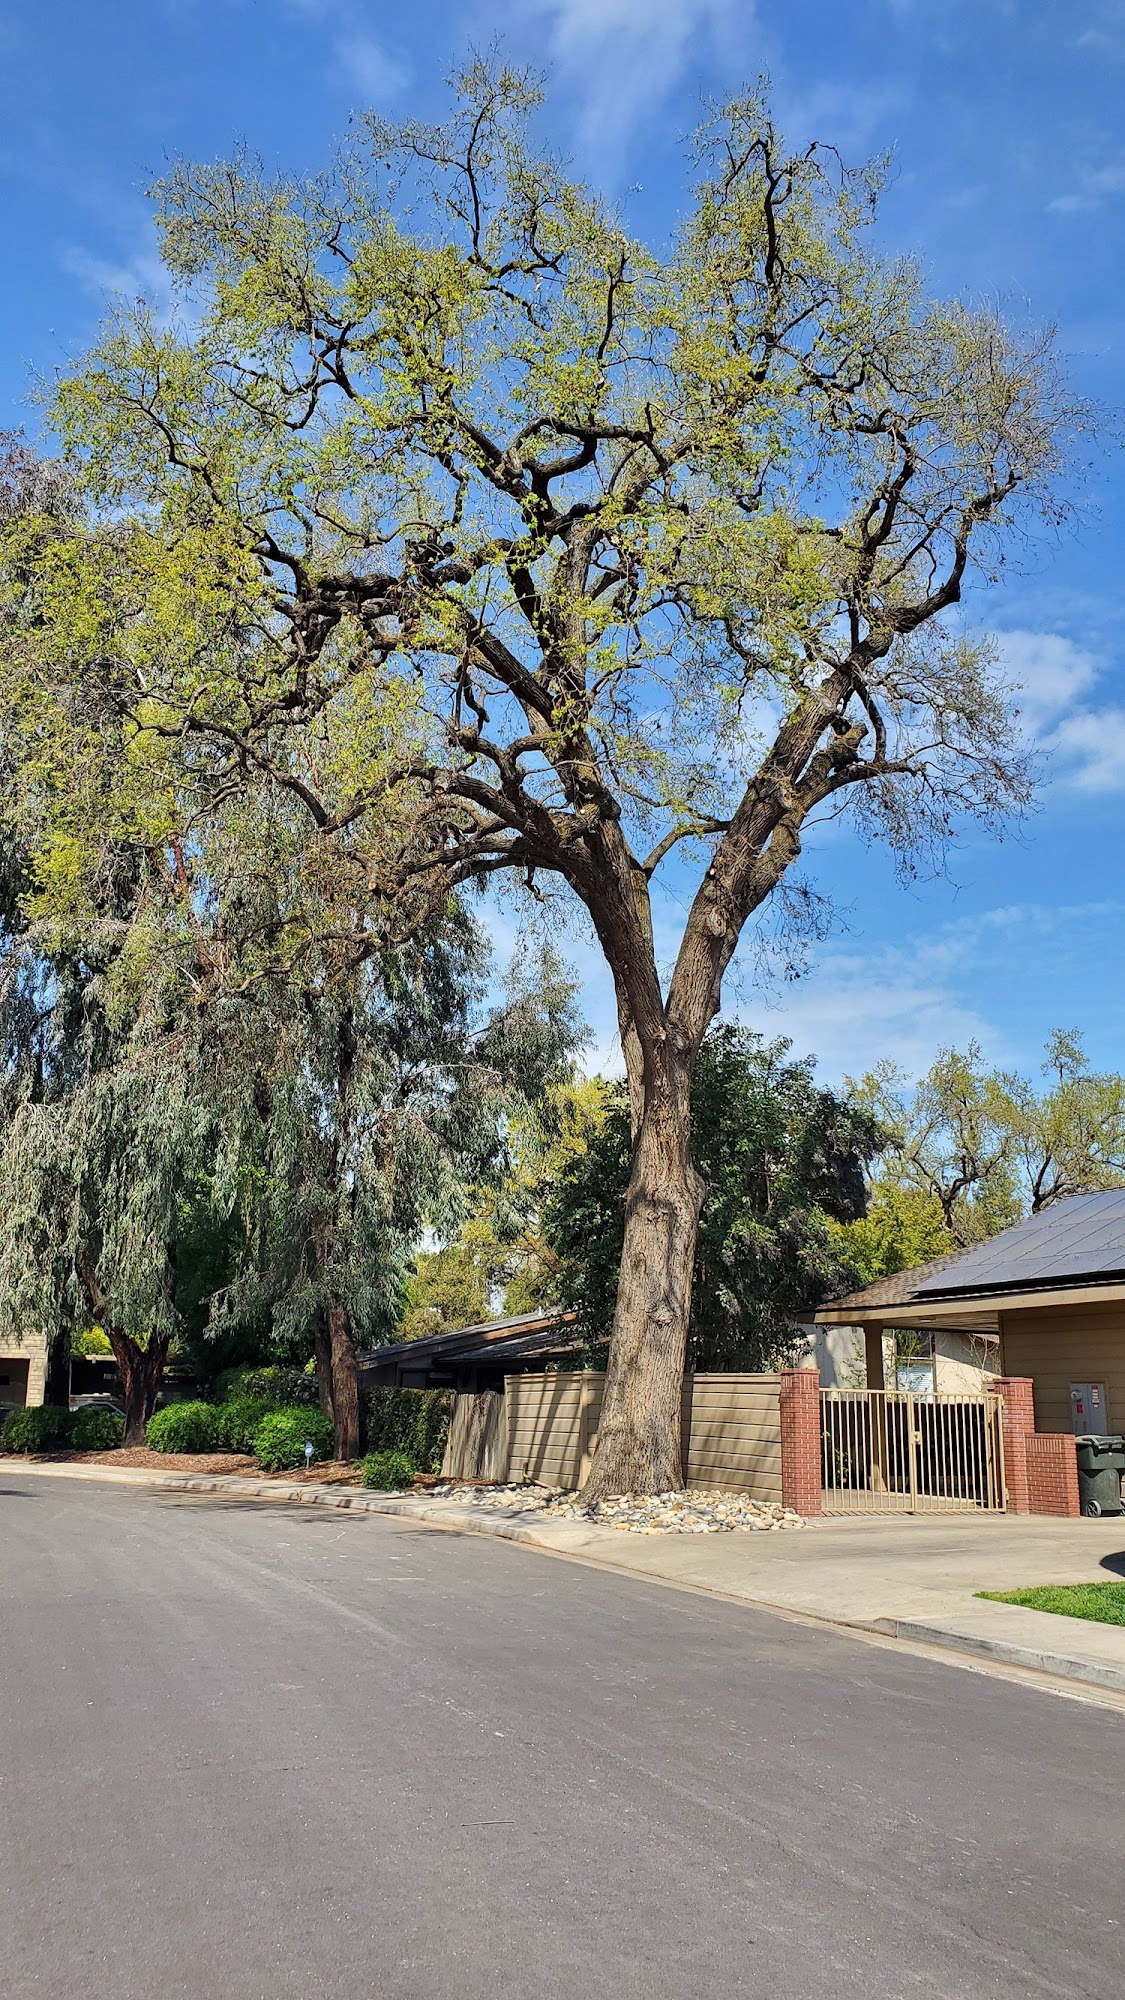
(1103, 1602)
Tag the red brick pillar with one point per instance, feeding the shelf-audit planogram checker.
(1017, 1421)
(1052, 1475)
(800, 1440)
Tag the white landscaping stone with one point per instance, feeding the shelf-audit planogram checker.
(685, 1513)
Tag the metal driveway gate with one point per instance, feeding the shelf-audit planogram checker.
(884, 1451)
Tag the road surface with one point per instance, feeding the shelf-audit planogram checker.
(255, 1752)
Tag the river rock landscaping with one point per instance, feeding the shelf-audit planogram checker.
(701, 1513)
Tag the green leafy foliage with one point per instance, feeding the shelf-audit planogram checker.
(183, 1427)
(280, 1439)
(969, 1150)
(387, 1471)
(781, 1159)
(413, 1421)
(96, 1430)
(237, 1422)
(44, 1428)
(272, 1386)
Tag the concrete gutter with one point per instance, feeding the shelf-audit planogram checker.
(1003, 1636)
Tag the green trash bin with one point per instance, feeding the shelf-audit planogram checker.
(1101, 1462)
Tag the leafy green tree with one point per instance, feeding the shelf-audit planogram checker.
(648, 552)
(971, 1149)
(1068, 1138)
(949, 1143)
(903, 1226)
(781, 1160)
(448, 1288)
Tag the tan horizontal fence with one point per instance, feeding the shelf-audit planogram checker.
(545, 1427)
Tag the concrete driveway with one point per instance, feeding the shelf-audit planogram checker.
(268, 1752)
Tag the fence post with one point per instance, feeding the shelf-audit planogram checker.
(799, 1400)
(1017, 1422)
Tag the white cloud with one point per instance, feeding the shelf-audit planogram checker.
(1095, 186)
(1092, 743)
(906, 1001)
(1048, 671)
(131, 277)
(622, 58)
(360, 60)
(1085, 744)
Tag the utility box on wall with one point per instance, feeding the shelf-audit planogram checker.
(1088, 1413)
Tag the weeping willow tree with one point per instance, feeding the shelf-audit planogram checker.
(382, 1096)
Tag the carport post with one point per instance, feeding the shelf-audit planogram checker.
(877, 1409)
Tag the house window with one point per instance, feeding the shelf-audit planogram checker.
(914, 1363)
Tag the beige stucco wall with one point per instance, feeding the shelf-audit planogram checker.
(32, 1350)
(963, 1363)
(1060, 1345)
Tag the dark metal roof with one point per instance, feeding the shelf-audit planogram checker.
(1074, 1241)
(494, 1341)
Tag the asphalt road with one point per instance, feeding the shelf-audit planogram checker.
(249, 1752)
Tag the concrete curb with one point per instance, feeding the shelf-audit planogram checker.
(1060, 1666)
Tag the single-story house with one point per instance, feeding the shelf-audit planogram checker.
(1046, 1296)
(472, 1358)
(23, 1371)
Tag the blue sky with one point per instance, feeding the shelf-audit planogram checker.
(1004, 119)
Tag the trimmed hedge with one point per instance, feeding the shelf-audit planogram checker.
(182, 1427)
(236, 1422)
(388, 1470)
(276, 1388)
(44, 1427)
(279, 1441)
(96, 1430)
(412, 1421)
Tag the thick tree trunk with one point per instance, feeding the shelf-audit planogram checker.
(57, 1389)
(142, 1375)
(141, 1368)
(345, 1380)
(638, 1447)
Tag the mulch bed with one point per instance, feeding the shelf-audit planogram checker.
(141, 1458)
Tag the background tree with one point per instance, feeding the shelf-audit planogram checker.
(655, 548)
(383, 1097)
(950, 1144)
(971, 1150)
(1070, 1137)
(780, 1160)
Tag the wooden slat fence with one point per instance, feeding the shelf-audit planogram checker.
(549, 1426)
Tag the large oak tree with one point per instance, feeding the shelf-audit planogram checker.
(654, 552)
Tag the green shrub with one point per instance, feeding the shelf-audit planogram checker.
(236, 1422)
(43, 1428)
(96, 1430)
(414, 1421)
(387, 1470)
(277, 1388)
(182, 1427)
(280, 1439)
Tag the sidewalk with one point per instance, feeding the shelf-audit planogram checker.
(913, 1578)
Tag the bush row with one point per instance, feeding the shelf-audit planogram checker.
(277, 1437)
(51, 1428)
